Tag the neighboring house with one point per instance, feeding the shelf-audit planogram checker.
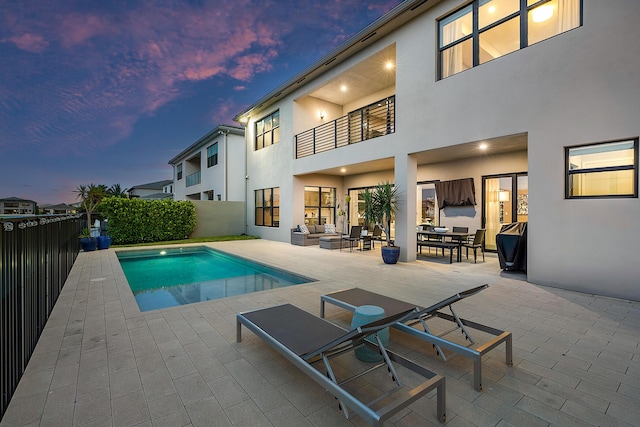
(538, 106)
(58, 209)
(150, 189)
(17, 206)
(212, 168)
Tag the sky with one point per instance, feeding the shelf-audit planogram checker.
(107, 92)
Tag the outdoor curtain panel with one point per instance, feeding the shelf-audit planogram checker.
(457, 192)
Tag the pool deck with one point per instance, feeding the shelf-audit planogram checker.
(101, 362)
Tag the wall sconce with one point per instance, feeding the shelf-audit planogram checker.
(322, 114)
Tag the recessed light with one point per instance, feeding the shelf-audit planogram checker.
(343, 170)
(389, 65)
(343, 88)
(483, 146)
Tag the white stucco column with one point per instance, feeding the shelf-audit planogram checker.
(406, 175)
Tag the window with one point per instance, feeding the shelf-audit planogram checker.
(268, 207)
(607, 169)
(488, 29)
(212, 155)
(179, 172)
(319, 205)
(268, 131)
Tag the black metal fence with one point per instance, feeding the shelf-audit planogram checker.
(36, 256)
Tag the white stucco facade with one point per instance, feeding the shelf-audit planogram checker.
(578, 87)
(222, 181)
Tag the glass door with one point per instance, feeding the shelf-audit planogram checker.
(505, 201)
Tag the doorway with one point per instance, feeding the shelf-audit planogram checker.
(506, 200)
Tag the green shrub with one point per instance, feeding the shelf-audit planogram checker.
(140, 220)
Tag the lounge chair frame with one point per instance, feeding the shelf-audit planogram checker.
(351, 298)
(289, 318)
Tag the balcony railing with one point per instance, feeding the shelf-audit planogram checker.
(369, 122)
(193, 179)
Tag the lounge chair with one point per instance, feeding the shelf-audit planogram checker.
(305, 340)
(352, 298)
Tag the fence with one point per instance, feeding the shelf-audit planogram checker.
(36, 256)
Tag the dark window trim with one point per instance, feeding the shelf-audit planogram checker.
(212, 160)
(475, 33)
(255, 127)
(568, 172)
(266, 205)
(178, 171)
(333, 204)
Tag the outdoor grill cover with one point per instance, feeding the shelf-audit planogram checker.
(511, 242)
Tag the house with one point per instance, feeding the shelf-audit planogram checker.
(61, 208)
(152, 190)
(533, 103)
(212, 168)
(17, 206)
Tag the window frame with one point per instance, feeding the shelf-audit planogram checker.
(317, 210)
(522, 13)
(267, 206)
(178, 171)
(570, 172)
(212, 158)
(260, 136)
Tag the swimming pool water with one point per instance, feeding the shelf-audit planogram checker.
(161, 278)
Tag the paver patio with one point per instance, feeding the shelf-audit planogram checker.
(101, 362)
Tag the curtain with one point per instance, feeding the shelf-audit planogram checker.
(492, 211)
(568, 15)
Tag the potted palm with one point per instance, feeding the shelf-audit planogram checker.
(90, 196)
(381, 204)
(87, 242)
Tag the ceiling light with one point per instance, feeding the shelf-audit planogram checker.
(343, 170)
(389, 65)
(542, 13)
(491, 9)
(483, 146)
(343, 88)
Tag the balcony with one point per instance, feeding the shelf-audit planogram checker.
(369, 122)
(193, 179)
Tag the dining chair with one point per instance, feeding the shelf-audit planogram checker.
(354, 236)
(477, 243)
(459, 230)
(377, 235)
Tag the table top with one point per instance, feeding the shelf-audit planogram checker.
(446, 234)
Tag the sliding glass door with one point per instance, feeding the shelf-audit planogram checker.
(505, 201)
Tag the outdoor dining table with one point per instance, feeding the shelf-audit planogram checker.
(455, 236)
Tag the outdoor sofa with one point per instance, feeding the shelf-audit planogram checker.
(302, 238)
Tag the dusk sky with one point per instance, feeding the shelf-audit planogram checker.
(107, 92)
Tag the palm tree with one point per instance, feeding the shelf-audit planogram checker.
(381, 205)
(116, 191)
(90, 196)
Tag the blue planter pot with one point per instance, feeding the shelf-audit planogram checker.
(88, 244)
(104, 242)
(390, 254)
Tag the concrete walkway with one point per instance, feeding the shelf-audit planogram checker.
(101, 362)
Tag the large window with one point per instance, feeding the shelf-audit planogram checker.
(268, 131)
(179, 172)
(268, 207)
(488, 29)
(319, 205)
(212, 155)
(608, 169)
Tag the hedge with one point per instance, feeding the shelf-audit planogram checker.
(140, 220)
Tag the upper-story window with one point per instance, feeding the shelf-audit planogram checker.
(212, 155)
(268, 130)
(487, 29)
(179, 171)
(606, 169)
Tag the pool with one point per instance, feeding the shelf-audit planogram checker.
(161, 278)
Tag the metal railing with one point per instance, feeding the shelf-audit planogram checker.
(193, 179)
(36, 255)
(369, 122)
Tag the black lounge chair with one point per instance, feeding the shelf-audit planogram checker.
(352, 298)
(305, 340)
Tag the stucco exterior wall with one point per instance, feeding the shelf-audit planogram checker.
(218, 218)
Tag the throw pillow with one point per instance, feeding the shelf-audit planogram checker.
(330, 228)
(304, 229)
